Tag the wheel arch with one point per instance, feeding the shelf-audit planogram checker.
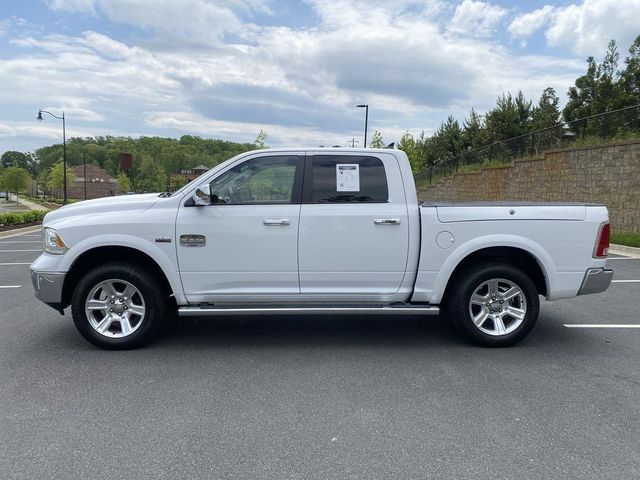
(101, 255)
(510, 255)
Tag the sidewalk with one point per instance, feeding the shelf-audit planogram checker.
(27, 203)
(633, 252)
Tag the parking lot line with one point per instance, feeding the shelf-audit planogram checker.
(10, 286)
(22, 263)
(602, 325)
(625, 281)
(622, 258)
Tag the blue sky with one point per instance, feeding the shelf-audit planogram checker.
(228, 68)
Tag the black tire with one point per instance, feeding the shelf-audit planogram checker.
(149, 288)
(458, 305)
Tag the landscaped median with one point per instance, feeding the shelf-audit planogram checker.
(11, 220)
(626, 238)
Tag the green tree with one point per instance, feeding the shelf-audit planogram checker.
(473, 131)
(511, 117)
(445, 143)
(15, 180)
(124, 182)
(56, 176)
(376, 140)
(43, 181)
(176, 182)
(409, 146)
(169, 153)
(582, 94)
(598, 91)
(261, 140)
(151, 177)
(630, 84)
(12, 158)
(546, 117)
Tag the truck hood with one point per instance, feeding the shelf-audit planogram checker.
(123, 203)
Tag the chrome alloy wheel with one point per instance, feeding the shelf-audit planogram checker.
(115, 308)
(497, 307)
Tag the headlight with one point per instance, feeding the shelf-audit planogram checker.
(52, 241)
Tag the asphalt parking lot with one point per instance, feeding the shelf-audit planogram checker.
(312, 397)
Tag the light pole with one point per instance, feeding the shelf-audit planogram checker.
(84, 167)
(366, 121)
(64, 150)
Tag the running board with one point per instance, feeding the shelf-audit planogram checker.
(197, 311)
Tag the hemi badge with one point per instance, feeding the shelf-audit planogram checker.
(192, 240)
(163, 239)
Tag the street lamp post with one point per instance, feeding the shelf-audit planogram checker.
(64, 150)
(84, 168)
(366, 121)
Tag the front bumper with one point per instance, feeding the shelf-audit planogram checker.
(48, 288)
(595, 280)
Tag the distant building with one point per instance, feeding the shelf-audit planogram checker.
(99, 183)
(188, 174)
(185, 175)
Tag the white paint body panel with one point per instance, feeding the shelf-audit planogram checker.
(344, 254)
(242, 256)
(329, 252)
(562, 248)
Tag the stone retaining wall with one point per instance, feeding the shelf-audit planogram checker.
(608, 174)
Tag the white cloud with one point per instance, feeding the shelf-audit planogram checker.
(190, 22)
(586, 28)
(476, 18)
(403, 57)
(526, 24)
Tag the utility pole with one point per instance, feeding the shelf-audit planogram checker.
(84, 166)
(353, 142)
(366, 121)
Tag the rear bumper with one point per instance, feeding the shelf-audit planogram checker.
(48, 288)
(595, 280)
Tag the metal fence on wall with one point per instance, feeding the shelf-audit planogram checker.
(600, 127)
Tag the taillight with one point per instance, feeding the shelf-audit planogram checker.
(602, 242)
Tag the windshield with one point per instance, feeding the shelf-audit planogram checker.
(196, 180)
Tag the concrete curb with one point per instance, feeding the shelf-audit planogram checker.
(624, 250)
(20, 231)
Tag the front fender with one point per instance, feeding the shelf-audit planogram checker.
(63, 263)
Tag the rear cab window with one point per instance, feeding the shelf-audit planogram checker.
(345, 179)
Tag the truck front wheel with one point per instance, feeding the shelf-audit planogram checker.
(118, 306)
(494, 305)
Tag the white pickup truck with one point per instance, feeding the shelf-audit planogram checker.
(314, 231)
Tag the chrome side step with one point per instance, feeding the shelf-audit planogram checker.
(197, 311)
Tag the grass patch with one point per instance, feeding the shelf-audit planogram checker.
(626, 238)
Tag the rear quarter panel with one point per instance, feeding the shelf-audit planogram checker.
(561, 238)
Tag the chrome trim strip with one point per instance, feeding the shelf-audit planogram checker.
(204, 311)
(386, 221)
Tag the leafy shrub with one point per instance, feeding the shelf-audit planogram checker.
(20, 218)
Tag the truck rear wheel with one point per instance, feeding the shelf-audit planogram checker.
(494, 305)
(118, 306)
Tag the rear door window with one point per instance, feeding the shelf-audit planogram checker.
(345, 179)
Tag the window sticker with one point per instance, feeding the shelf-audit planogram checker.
(347, 177)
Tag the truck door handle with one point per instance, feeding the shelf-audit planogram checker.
(276, 221)
(386, 221)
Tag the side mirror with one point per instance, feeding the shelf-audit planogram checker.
(202, 196)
